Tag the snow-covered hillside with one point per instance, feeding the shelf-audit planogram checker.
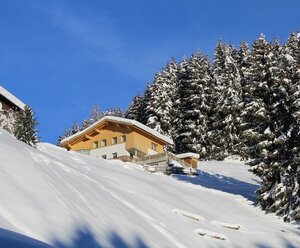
(71, 200)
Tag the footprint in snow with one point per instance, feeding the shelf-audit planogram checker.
(187, 214)
(211, 234)
(226, 225)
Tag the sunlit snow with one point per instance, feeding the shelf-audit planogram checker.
(63, 198)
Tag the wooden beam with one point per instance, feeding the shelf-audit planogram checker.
(88, 136)
(74, 141)
(129, 127)
(113, 124)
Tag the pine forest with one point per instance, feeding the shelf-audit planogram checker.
(245, 102)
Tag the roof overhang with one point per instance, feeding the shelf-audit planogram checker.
(11, 98)
(118, 120)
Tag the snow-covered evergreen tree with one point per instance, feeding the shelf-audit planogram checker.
(75, 128)
(86, 123)
(7, 120)
(113, 112)
(193, 105)
(134, 110)
(290, 204)
(182, 137)
(25, 127)
(66, 134)
(255, 117)
(271, 134)
(225, 121)
(242, 59)
(95, 114)
(145, 103)
(274, 146)
(293, 47)
(160, 102)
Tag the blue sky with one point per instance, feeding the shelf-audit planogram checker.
(63, 56)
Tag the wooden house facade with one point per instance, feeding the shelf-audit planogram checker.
(117, 138)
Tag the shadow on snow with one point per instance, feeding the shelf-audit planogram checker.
(9, 239)
(286, 244)
(83, 239)
(222, 183)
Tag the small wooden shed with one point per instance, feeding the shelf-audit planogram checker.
(189, 158)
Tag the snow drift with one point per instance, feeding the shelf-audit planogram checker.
(69, 200)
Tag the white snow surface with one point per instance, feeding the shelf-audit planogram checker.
(232, 168)
(175, 164)
(11, 98)
(63, 198)
(124, 121)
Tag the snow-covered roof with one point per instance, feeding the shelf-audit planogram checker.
(12, 98)
(121, 121)
(188, 155)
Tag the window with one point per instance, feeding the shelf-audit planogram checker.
(123, 138)
(153, 146)
(114, 140)
(115, 155)
(104, 156)
(103, 142)
(95, 144)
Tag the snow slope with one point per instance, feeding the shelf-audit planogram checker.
(229, 168)
(69, 200)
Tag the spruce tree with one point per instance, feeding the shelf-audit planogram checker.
(255, 117)
(7, 120)
(134, 110)
(94, 117)
(145, 103)
(225, 121)
(182, 138)
(291, 175)
(113, 112)
(75, 128)
(275, 147)
(66, 134)
(160, 102)
(193, 105)
(86, 123)
(242, 61)
(25, 127)
(119, 112)
(271, 134)
(95, 114)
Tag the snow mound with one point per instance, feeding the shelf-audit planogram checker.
(211, 234)
(66, 198)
